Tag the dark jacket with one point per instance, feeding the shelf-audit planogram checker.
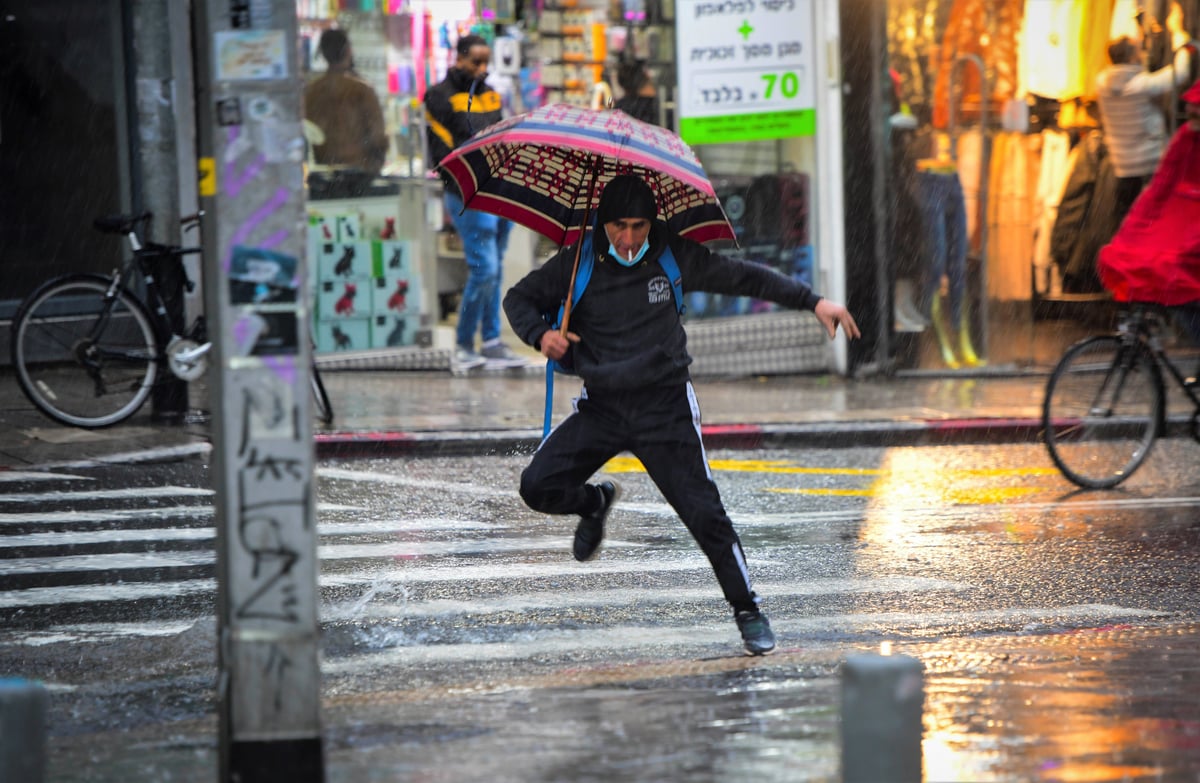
(447, 122)
(631, 335)
(1087, 216)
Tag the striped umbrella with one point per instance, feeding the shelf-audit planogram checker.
(546, 169)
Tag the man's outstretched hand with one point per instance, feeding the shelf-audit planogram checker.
(832, 314)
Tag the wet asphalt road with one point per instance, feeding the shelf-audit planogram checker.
(1058, 629)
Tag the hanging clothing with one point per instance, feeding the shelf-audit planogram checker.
(1086, 216)
(1053, 171)
(972, 157)
(1012, 188)
(1051, 63)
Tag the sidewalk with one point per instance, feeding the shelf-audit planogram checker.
(381, 413)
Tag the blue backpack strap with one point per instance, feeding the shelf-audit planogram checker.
(582, 276)
(671, 267)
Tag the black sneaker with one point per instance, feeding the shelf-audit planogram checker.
(590, 531)
(757, 637)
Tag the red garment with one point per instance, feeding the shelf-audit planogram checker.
(1155, 255)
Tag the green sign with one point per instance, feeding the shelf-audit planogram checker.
(748, 127)
(746, 70)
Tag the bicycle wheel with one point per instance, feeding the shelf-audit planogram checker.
(321, 404)
(81, 359)
(1102, 410)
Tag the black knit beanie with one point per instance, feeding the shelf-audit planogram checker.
(626, 196)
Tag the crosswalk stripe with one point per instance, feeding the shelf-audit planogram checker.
(161, 534)
(374, 604)
(13, 476)
(132, 457)
(120, 561)
(367, 607)
(558, 641)
(107, 515)
(105, 494)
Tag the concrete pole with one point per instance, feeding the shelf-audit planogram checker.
(251, 153)
(883, 697)
(156, 160)
(22, 731)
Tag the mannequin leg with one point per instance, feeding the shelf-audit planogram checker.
(964, 343)
(943, 336)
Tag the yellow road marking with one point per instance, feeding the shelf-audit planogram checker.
(880, 477)
(866, 493)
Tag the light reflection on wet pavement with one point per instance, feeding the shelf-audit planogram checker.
(1082, 705)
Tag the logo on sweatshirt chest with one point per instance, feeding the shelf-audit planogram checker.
(659, 290)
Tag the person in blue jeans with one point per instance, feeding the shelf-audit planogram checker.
(484, 238)
(457, 108)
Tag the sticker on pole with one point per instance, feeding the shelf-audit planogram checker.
(247, 55)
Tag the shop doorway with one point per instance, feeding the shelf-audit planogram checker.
(62, 154)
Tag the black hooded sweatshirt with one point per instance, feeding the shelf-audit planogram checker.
(631, 335)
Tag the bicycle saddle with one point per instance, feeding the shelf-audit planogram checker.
(119, 224)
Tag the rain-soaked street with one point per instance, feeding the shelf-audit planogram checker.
(1059, 630)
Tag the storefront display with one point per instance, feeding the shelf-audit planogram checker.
(567, 51)
(1010, 89)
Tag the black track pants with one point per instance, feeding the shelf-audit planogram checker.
(661, 427)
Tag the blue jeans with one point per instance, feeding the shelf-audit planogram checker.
(485, 238)
(944, 215)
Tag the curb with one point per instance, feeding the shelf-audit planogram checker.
(940, 432)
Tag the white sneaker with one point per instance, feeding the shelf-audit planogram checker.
(498, 354)
(465, 359)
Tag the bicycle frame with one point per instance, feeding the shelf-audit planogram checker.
(1144, 323)
(118, 330)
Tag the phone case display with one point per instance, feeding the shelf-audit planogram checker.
(368, 291)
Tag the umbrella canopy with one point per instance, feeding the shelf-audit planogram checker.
(546, 169)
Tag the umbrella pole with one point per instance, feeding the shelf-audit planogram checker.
(587, 219)
(566, 319)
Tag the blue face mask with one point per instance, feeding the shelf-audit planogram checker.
(612, 251)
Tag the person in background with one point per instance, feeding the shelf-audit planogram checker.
(457, 108)
(639, 97)
(629, 348)
(1135, 131)
(346, 110)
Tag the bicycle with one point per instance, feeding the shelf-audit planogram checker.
(1105, 402)
(88, 351)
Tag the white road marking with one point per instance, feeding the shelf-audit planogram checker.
(381, 601)
(119, 561)
(38, 475)
(161, 534)
(107, 515)
(105, 494)
(395, 479)
(145, 455)
(386, 607)
(551, 642)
